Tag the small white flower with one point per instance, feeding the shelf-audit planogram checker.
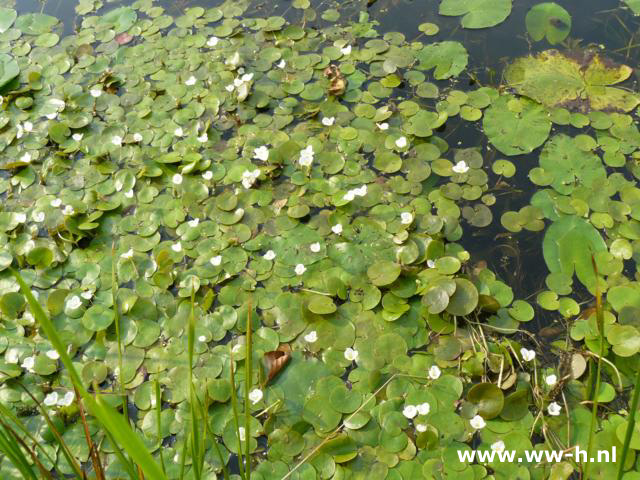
(270, 255)
(21, 217)
(12, 355)
(431, 263)
(434, 372)
(337, 228)
(360, 191)
(551, 380)
(351, 354)
(230, 87)
(406, 218)
(28, 126)
(137, 137)
(194, 223)
(247, 77)
(77, 136)
(127, 254)
(498, 446)
(178, 132)
(203, 138)
(51, 399)
(349, 196)
(346, 50)
(306, 156)
(87, 295)
(281, 64)
(300, 269)
(208, 175)
(213, 41)
(478, 422)
(74, 302)
(527, 355)
(311, 337)
(383, 126)
(176, 247)
(176, 179)
(250, 177)
(95, 93)
(28, 363)
(216, 261)
(116, 140)
(424, 408)
(401, 142)
(234, 60)
(128, 194)
(261, 153)
(38, 216)
(26, 158)
(52, 354)
(51, 116)
(328, 121)
(56, 202)
(242, 434)
(554, 409)
(20, 131)
(315, 247)
(421, 428)
(190, 81)
(237, 82)
(202, 338)
(410, 411)
(68, 210)
(460, 167)
(255, 395)
(67, 399)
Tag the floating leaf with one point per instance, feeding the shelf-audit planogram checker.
(448, 58)
(477, 13)
(8, 69)
(488, 398)
(548, 20)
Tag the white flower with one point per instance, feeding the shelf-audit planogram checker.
(315, 247)
(95, 93)
(203, 138)
(281, 64)
(255, 395)
(431, 263)
(237, 82)
(28, 126)
(554, 409)
(460, 167)
(261, 153)
(77, 136)
(383, 126)
(311, 337)
(87, 295)
(337, 228)
(176, 179)
(421, 428)
(349, 196)
(424, 408)
(12, 356)
(360, 191)
(242, 434)
(434, 372)
(328, 121)
(51, 399)
(250, 177)
(202, 338)
(176, 247)
(406, 218)
(127, 254)
(74, 302)
(28, 363)
(213, 41)
(351, 354)
(247, 77)
(51, 116)
(20, 131)
(216, 261)
(56, 202)
(410, 411)
(230, 87)
(234, 60)
(116, 140)
(38, 216)
(527, 355)
(401, 142)
(21, 217)
(498, 446)
(190, 81)
(306, 156)
(26, 158)
(208, 175)
(128, 194)
(68, 210)
(478, 422)
(300, 269)
(178, 132)
(551, 380)
(346, 50)
(67, 399)
(270, 255)
(194, 223)
(137, 137)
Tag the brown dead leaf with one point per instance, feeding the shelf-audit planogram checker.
(337, 82)
(276, 360)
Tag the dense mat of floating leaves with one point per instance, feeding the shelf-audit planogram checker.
(203, 155)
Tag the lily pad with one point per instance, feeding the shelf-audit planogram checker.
(9, 69)
(548, 20)
(477, 13)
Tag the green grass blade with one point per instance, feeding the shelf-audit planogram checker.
(236, 418)
(630, 426)
(116, 312)
(247, 383)
(159, 421)
(16, 456)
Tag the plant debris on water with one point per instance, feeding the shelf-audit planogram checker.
(232, 243)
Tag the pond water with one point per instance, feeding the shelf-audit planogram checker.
(405, 200)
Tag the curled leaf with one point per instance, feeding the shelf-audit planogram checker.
(337, 82)
(276, 360)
